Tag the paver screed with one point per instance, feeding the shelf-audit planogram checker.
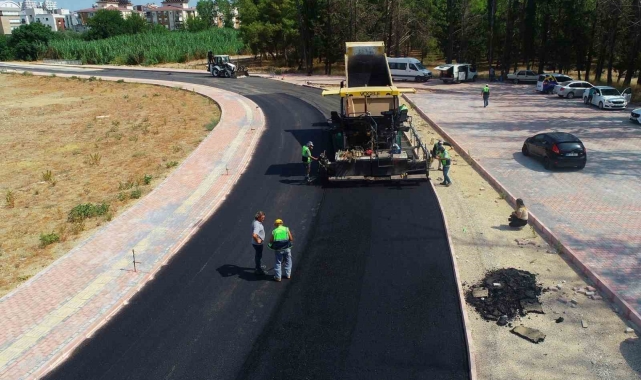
(56, 310)
(596, 212)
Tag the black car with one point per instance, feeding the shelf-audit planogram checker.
(557, 149)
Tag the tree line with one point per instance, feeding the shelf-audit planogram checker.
(596, 38)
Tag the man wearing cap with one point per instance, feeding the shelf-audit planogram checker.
(436, 149)
(307, 159)
(281, 242)
(258, 236)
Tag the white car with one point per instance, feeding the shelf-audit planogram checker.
(571, 89)
(606, 97)
(523, 76)
(558, 78)
(635, 115)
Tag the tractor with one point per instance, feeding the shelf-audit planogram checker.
(221, 66)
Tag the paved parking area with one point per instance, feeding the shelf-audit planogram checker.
(595, 211)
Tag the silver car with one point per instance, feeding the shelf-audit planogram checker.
(572, 89)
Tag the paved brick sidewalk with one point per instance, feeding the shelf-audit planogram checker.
(56, 310)
(595, 212)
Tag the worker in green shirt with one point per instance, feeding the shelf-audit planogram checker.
(486, 96)
(307, 159)
(444, 156)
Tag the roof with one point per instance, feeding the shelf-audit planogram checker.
(87, 10)
(368, 91)
(170, 8)
(563, 136)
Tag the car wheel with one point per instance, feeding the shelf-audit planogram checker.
(214, 73)
(547, 164)
(525, 150)
(600, 105)
(582, 165)
(571, 95)
(474, 78)
(585, 100)
(516, 81)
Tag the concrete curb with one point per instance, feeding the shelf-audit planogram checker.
(627, 310)
(471, 352)
(66, 349)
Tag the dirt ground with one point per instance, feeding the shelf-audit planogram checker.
(482, 241)
(69, 142)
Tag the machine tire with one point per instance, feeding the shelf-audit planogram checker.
(215, 73)
(226, 74)
(600, 105)
(525, 150)
(571, 95)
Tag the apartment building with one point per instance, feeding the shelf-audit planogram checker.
(9, 16)
(172, 14)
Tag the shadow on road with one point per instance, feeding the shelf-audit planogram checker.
(506, 227)
(247, 274)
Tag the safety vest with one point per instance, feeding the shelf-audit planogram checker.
(486, 89)
(402, 108)
(445, 158)
(306, 154)
(281, 238)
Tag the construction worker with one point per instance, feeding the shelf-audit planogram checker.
(307, 159)
(444, 156)
(435, 152)
(258, 236)
(281, 242)
(486, 96)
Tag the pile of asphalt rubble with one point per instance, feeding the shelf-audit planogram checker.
(505, 294)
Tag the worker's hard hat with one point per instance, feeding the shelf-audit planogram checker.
(278, 222)
(310, 143)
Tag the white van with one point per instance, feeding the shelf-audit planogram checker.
(457, 72)
(408, 69)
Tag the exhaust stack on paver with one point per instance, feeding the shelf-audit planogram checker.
(372, 137)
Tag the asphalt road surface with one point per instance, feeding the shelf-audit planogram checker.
(372, 296)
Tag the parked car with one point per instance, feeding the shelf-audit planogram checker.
(635, 115)
(457, 72)
(572, 89)
(523, 76)
(551, 80)
(556, 149)
(606, 97)
(408, 69)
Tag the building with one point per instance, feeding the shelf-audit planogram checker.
(125, 7)
(9, 16)
(55, 21)
(172, 14)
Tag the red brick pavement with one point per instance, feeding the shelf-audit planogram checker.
(46, 317)
(592, 215)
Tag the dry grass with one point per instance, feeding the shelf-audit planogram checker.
(66, 142)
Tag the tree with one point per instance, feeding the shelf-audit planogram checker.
(225, 10)
(206, 12)
(28, 42)
(135, 24)
(5, 51)
(104, 24)
(196, 24)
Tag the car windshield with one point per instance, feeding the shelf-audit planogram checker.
(610, 92)
(420, 66)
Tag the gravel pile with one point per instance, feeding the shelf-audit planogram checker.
(510, 293)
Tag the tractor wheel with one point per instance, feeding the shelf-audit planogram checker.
(226, 74)
(215, 72)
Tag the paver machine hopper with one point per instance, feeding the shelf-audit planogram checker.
(372, 136)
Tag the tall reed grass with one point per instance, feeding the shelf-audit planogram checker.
(147, 48)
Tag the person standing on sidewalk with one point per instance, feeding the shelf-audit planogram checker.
(258, 236)
(486, 96)
(444, 156)
(307, 159)
(281, 243)
(436, 150)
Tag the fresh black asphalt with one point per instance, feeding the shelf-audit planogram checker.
(373, 294)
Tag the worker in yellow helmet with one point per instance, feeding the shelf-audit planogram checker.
(281, 242)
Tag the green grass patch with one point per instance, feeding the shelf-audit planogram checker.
(87, 210)
(48, 239)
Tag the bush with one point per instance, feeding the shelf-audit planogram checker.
(5, 51)
(85, 211)
(135, 194)
(148, 48)
(47, 239)
(29, 42)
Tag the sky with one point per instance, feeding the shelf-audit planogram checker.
(75, 5)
